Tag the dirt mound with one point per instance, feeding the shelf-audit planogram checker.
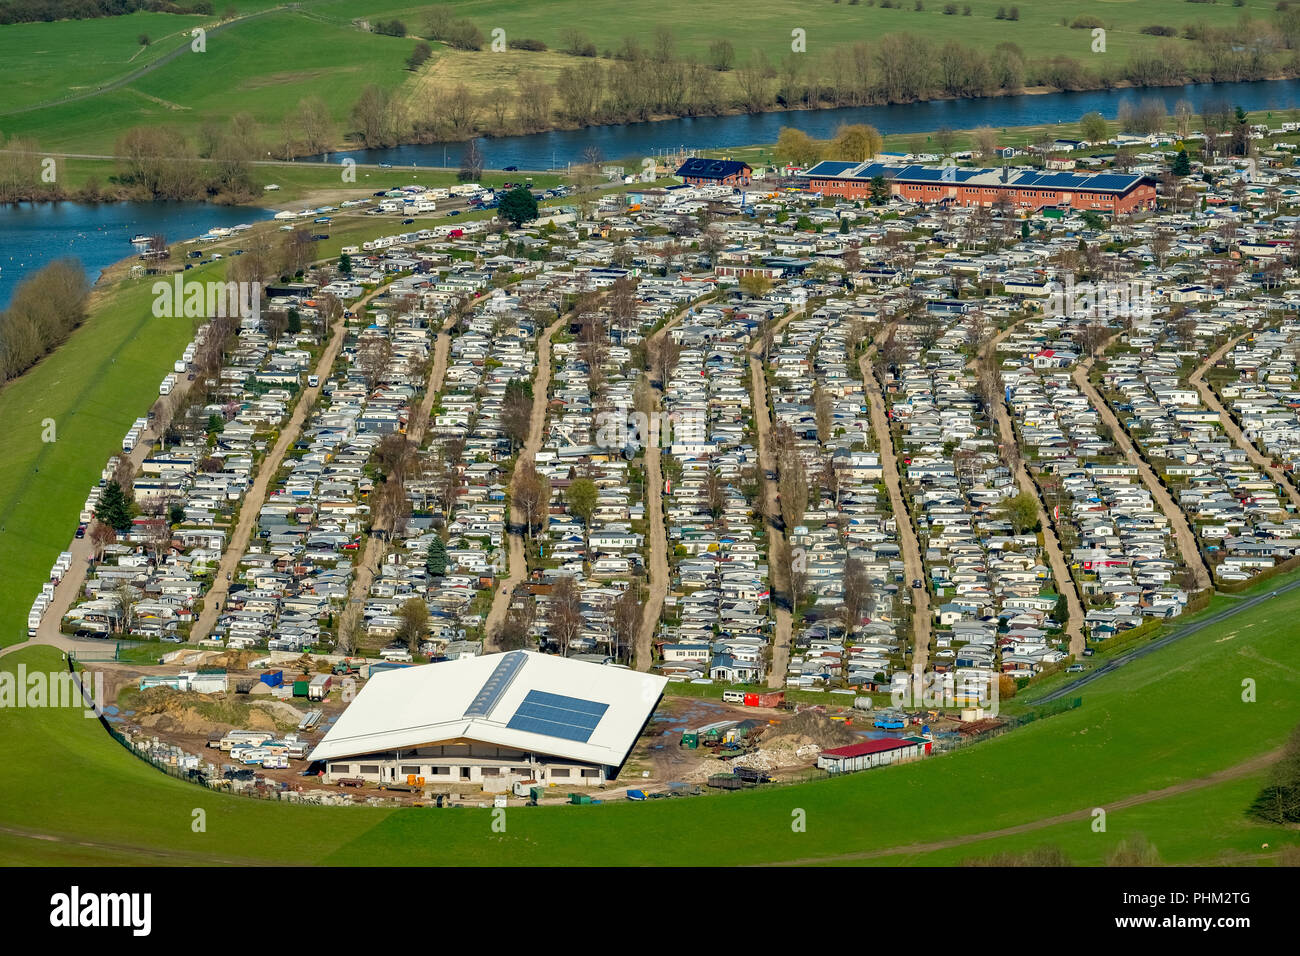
(259, 719)
(809, 727)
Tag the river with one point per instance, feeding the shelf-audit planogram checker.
(31, 235)
(99, 234)
(636, 140)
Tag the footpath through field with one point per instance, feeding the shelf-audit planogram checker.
(1243, 769)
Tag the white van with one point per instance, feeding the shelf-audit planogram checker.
(313, 381)
(733, 696)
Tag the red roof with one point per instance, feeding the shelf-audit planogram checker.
(869, 747)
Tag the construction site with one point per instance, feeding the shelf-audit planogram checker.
(239, 721)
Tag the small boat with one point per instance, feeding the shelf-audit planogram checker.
(141, 240)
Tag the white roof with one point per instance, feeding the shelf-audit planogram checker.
(480, 698)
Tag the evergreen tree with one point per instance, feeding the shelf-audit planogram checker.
(1182, 164)
(435, 561)
(114, 508)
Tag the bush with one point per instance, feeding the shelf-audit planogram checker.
(536, 46)
(419, 55)
(391, 28)
(1158, 31)
(1086, 23)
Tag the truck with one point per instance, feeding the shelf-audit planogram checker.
(349, 665)
(319, 687)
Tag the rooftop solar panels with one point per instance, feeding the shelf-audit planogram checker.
(830, 167)
(495, 685)
(569, 718)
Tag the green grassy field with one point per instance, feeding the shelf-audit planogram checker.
(265, 64)
(766, 24)
(262, 67)
(1170, 718)
(93, 386)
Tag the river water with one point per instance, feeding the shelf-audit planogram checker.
(32, 234)
(99, 235)
(637, 140)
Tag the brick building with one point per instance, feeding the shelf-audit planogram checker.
(1116, 193)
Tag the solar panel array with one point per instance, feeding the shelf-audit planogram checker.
(495, 685)
(1102, 182)
(569, 718)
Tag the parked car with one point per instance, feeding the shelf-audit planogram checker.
(81, 531)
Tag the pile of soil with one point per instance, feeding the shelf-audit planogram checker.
(811, 728)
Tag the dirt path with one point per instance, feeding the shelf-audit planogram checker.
(1065, 584)
(69, 587)
(778, 552)
(1177, 520)
(914, 568)
(1230, 426)
(1250, 766)
(658, 565)
(251, 506)
(517, 569)
(363, 575)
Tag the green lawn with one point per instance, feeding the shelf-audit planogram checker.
(93, 386)
(1173, 716)
(264, 65)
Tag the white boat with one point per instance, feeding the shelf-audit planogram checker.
(141, 240)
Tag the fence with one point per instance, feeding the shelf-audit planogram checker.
(200, 776)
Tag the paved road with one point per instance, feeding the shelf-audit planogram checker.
(517, 569)
(1230, 426)
(914, 568)
(1073, 625)
(1177, 634)
(1177, 520)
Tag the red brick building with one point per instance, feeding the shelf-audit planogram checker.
(1115, 193)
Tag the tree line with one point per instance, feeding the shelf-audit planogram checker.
(643, 78)
(47, 11)
(46, 307)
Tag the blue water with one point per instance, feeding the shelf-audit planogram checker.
(634, 141)
(32, 234)
(99, 235)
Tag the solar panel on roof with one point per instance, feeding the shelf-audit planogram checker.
(569, 718)
(495, 685)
